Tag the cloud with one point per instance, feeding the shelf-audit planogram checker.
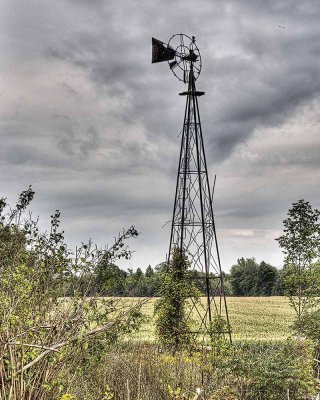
(94, 126)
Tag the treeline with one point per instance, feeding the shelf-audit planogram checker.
(246, 278)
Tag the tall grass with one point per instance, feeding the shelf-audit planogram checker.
(265, 371)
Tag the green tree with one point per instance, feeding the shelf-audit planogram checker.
(227, 284)
(279, 285)
(136, 284)
(110, 280)
(300, 243)
(153, 282)
(244, 277)
(267, 278)
(248, 278)
(149, 272)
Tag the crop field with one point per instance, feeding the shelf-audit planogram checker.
(251, 318)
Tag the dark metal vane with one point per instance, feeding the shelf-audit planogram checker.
(193, 227)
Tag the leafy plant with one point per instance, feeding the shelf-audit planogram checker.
(172, 326)
(301, 245)
(48, 340)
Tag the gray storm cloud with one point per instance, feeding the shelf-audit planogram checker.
(94, 126)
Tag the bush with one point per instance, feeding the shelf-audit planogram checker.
(46, 340)
(246, 371)
(172, 324)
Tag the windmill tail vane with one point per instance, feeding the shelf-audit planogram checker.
(161, 51)
(193, 229)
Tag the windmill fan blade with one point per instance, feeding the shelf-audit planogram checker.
(161, 52)
(173, 64)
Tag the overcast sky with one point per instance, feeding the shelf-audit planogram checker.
(93, 125)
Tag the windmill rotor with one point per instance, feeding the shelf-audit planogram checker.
(182, 54)
(187, 56)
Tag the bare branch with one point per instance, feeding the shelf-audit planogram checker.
(38, 346)
(89, 334)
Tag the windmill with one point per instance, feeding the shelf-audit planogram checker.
(193, 227)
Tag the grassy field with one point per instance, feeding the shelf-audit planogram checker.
(251, 318)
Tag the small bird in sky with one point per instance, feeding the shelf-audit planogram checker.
(280, 26)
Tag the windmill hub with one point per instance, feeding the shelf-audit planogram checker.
(191, 57)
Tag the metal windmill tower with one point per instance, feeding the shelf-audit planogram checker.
(193, 228)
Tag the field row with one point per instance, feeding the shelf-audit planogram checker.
(251, 318)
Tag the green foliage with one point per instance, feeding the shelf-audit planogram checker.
(267, 277)
(282, 374)
(110, 280)
(309, 325)
(44, 337)
(302, 286)
(279, 285)
(172, 326)
(248, 278)
(58, 347)
(243, 277)
(218, 327)
(301, 245)
(245, 371)
(273, 371)
(301, 239)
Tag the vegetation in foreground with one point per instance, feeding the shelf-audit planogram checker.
(266, 371)
(46, 342)
(82, 348)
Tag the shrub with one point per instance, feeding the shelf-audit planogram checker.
(172, 325)
(46, 340)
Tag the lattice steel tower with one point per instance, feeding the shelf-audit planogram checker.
(193, 229)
